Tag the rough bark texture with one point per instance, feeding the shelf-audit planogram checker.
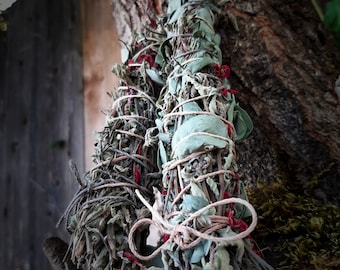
(129, 17)
(284, 64)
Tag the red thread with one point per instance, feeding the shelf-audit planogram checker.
(132, 258)
(166, 237)
(137, 174)
(224, 72)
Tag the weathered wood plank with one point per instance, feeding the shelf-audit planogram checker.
(41, 126)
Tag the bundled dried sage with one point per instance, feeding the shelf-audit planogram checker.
(165, 192)
(102, 213)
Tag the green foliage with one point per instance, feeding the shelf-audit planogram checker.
(332, 18)
(306, 230)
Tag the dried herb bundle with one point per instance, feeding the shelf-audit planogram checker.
(103, 211)
(171, 130)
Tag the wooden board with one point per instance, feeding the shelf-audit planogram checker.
(42, 125)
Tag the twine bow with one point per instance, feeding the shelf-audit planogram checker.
(182, 234)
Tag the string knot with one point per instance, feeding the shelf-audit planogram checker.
(183, 234)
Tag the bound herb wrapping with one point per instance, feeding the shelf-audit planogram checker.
(200, 211)
(166, 193)
(105, 208)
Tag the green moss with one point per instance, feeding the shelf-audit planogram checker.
(300, 231)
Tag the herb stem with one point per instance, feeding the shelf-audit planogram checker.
(318, 9)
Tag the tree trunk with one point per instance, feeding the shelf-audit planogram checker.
(284, 65)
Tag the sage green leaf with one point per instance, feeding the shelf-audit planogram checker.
(154, 76)
(193, 203)
(243, 124)
(197, 254)
(185, 141)
(159, 59)
(162, 152)
(177, 8)
(217, 40)
(206, 15)
(161, 54)
(221, 260)
(242, 211)
(191, 107)
(199, 63)
(197, 191)
(202, 222)
(239, 244)
(231, 111)
(205, 29)
(195, 267)
(124, 52)
(213, 186)
(101, 260)
(174, 85)
(174, 5)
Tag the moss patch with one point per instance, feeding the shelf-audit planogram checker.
(297, 230)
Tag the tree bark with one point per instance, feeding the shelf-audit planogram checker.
(284, 65)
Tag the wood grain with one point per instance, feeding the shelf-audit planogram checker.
(41, 112)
